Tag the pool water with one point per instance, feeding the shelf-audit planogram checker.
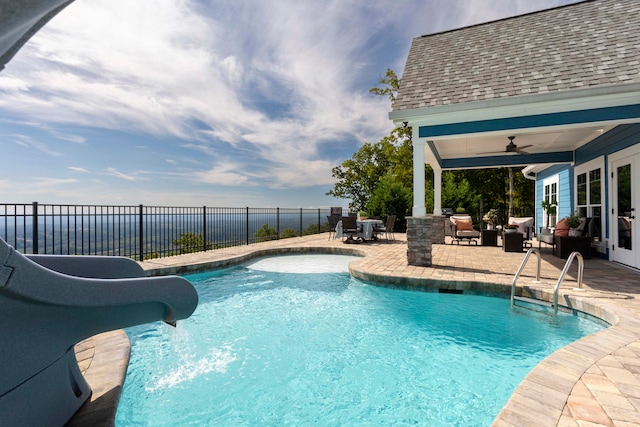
(271, 348)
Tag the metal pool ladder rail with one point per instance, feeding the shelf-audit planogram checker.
(553, 305)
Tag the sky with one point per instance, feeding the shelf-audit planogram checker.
(221, 103)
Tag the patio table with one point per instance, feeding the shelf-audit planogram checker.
(365, 228)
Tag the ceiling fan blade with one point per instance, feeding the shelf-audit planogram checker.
(520, 150)
(494, 152)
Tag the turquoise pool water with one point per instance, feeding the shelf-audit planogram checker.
(271, 348)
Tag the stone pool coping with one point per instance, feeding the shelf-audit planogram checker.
(593, 381)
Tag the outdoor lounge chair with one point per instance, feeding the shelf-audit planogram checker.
(462, 229)
(549, 237)
(525, 226)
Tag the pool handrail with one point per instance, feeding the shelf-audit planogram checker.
(519, 271)
(570, 258)
(567, 264)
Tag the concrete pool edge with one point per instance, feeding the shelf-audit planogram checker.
(606, 354)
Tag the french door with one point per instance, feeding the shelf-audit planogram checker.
(626, 199)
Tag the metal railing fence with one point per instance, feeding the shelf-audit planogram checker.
(143, 232)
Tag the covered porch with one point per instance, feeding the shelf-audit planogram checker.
(533, 93)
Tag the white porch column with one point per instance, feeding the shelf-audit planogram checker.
(418, 175)
(437, 191)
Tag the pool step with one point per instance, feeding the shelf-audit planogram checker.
(533, 301)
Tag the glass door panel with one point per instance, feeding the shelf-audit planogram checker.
(626, 193)
(623, 184)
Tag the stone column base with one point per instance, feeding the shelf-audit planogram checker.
(438, 228)
(419, 238)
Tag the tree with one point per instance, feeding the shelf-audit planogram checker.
(190, 242)
(265, 233)
(457, 192)
(359, 176)
(287, 233)
(391, 198)
(391, 85)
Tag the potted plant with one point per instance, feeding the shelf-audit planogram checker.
(550, 209)
(362, 215)
(491, 218)
(573, 221)
(509, 228)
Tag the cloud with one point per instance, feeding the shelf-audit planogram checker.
(78, 169)
(76, 139)
(114, 172)
(227, 174)
(33, 144)
(46, 182)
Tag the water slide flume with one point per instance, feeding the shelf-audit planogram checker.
(50, 303)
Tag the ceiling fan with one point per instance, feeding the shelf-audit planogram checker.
(511, 148)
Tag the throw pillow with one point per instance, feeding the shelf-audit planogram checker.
(562, 228)
(463, 225)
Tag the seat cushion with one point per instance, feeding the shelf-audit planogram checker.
(468, 233)
(546, 238)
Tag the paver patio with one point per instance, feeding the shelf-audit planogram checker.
(592, 382)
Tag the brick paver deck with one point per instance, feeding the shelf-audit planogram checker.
(592, 382)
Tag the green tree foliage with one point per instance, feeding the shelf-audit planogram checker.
(478, 190)
(287, 233)
(358, 177)
(313, 229)
(391, 85)
(265, 233)
(190, 242)
(391, 198)
(457, 192)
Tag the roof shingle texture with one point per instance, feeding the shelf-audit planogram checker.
(592, 43)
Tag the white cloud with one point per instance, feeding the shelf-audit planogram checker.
(76, 139)
(114, 172)
(78, 169)
(32, 144)
(46, 182)
(227, 174)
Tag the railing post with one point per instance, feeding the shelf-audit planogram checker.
(204, 228)
(318, 221)
(300, 222)
(247, 225)
(141, 232)
(278, 223)
(34, 230)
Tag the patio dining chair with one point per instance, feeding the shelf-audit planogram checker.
(350, 228)
(387, 228)
(333, 222)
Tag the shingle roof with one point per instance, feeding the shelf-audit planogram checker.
(591, 43)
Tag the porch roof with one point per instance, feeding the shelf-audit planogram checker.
(555, 79)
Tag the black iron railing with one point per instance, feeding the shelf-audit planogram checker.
(143, 232)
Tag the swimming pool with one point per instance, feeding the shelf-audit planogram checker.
(271, 348)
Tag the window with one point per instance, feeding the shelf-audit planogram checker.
(550, 196)
(588, 178)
